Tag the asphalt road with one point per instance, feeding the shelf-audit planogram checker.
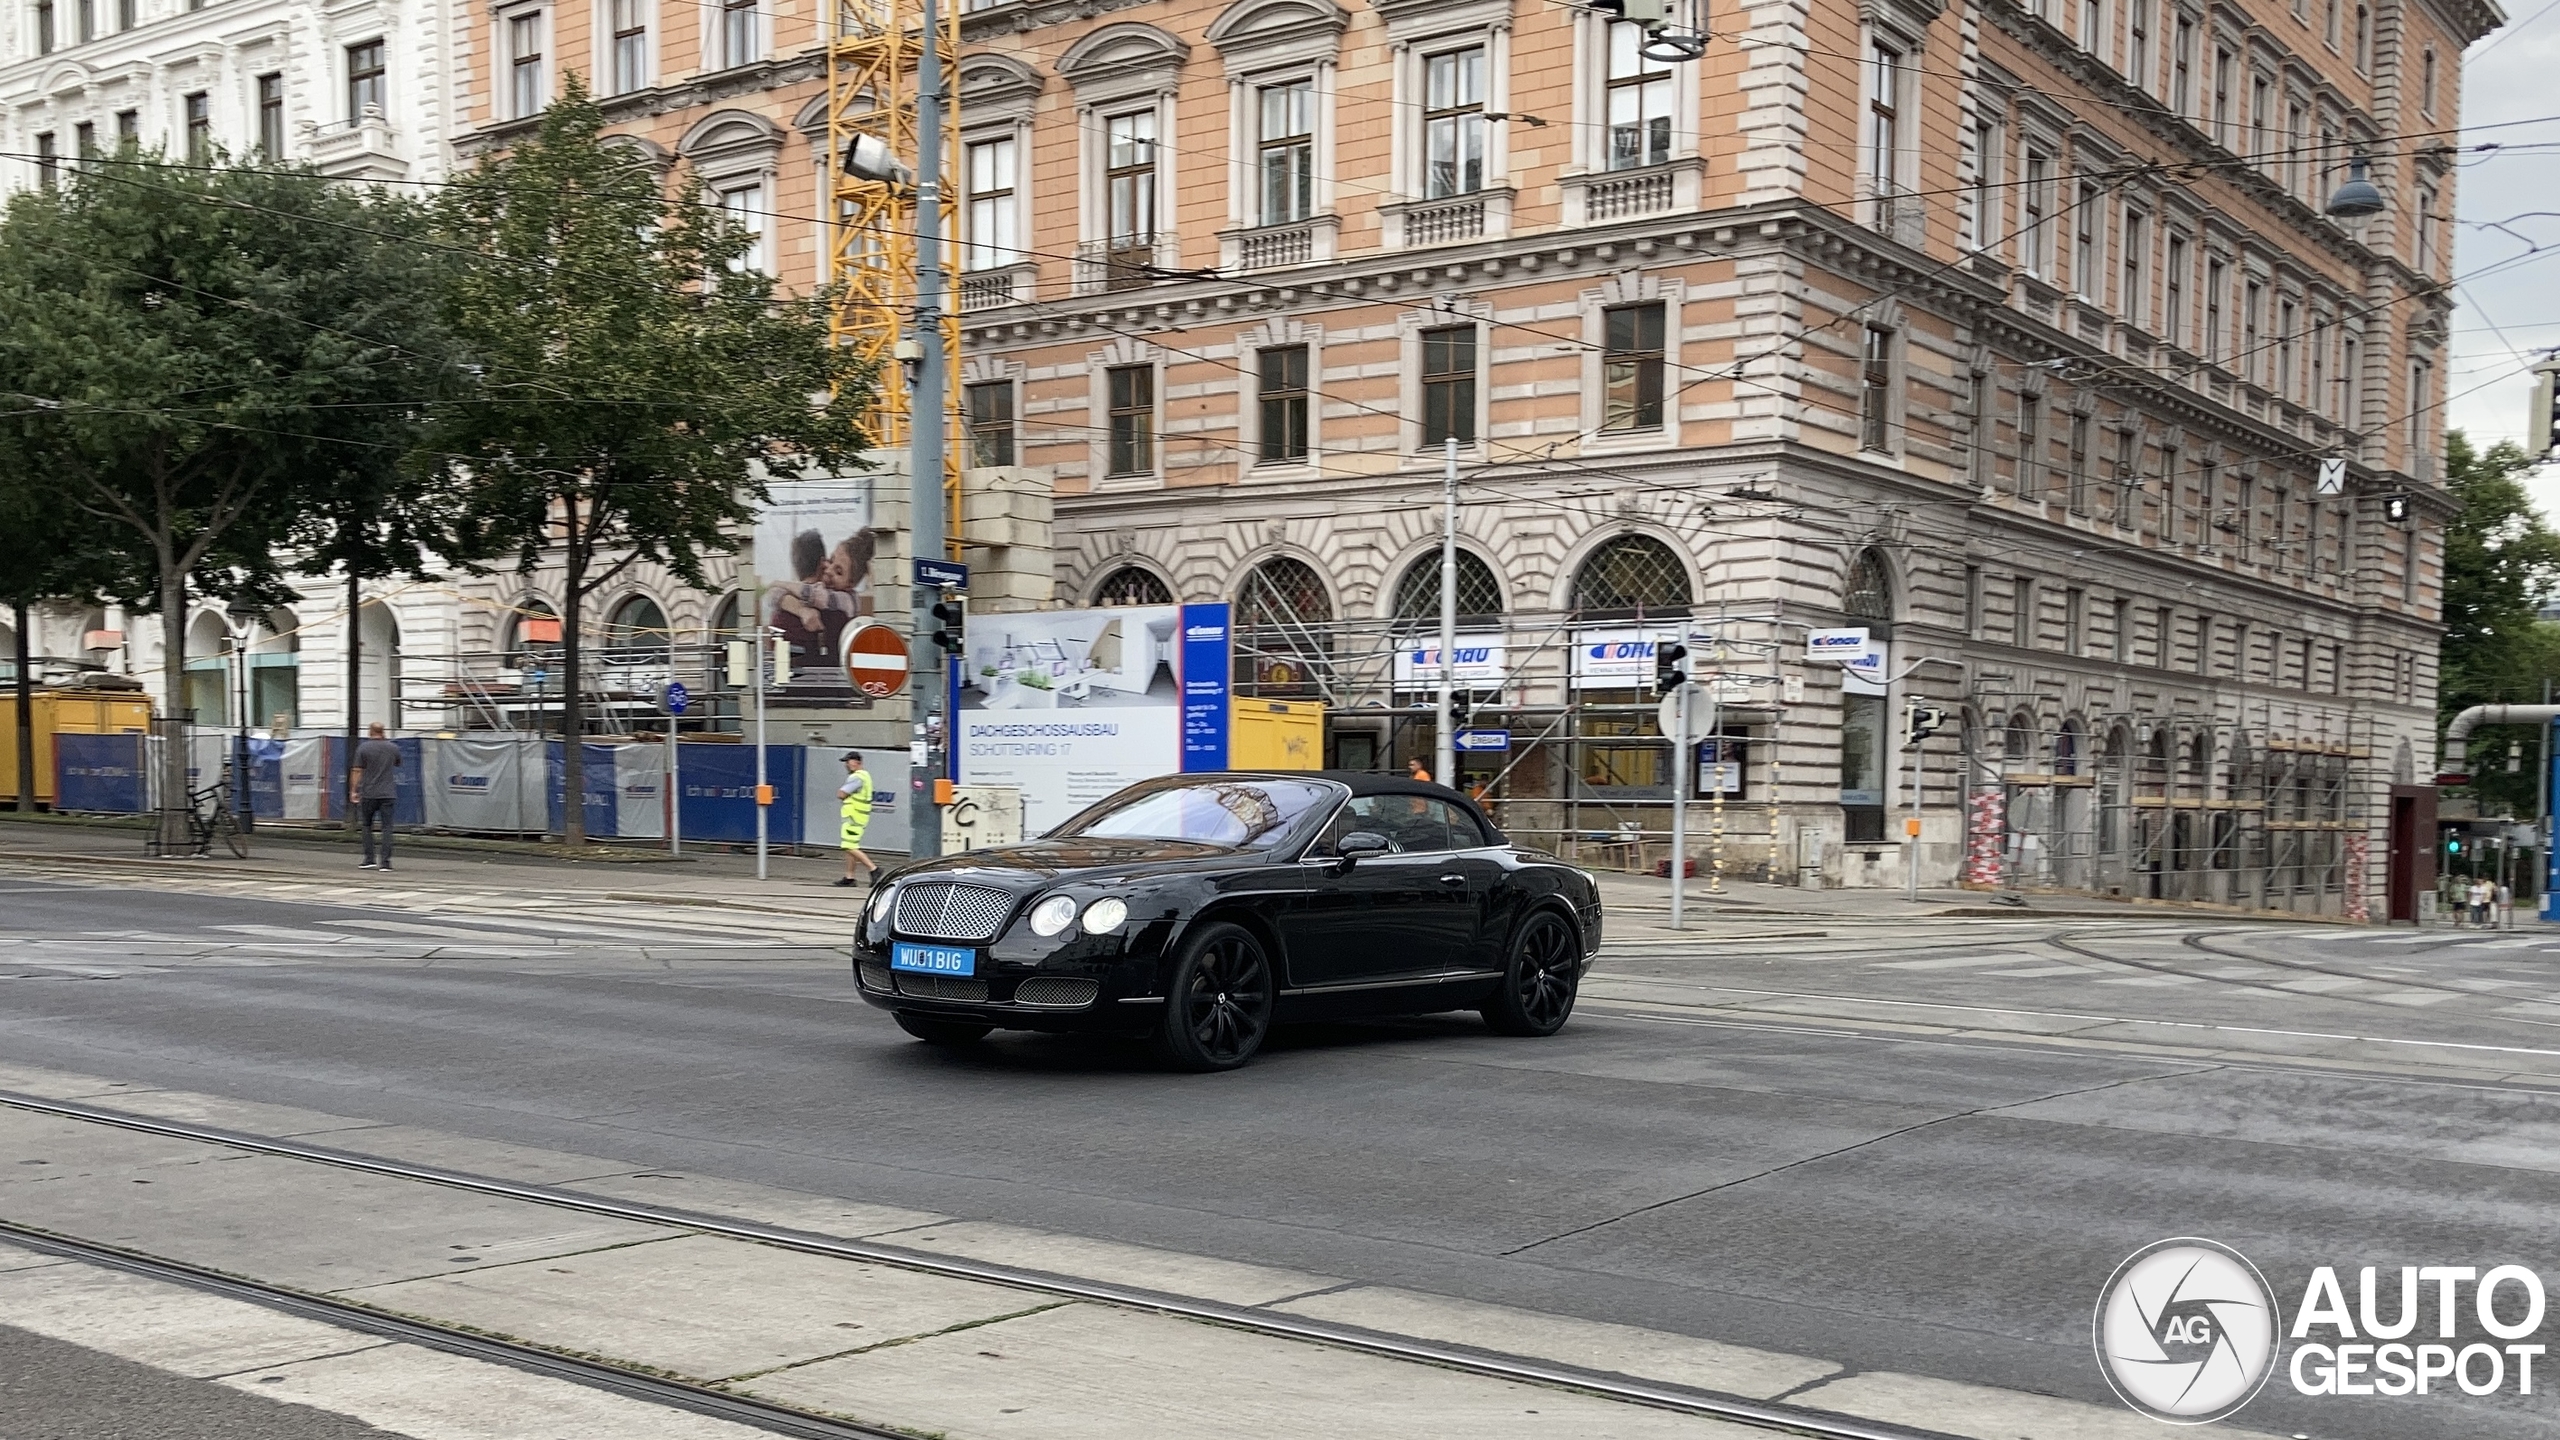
(1936, 1203)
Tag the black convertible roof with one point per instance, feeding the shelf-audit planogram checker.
(1366, 782)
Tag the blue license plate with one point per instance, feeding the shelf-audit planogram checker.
(933, 959)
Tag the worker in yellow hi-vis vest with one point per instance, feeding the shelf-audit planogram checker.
(853, 802)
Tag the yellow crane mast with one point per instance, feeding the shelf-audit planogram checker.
(872, 59)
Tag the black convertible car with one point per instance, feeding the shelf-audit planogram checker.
(1200, 910)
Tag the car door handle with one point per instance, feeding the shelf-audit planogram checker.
(1453, 879)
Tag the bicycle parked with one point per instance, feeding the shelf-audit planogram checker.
(210, 818)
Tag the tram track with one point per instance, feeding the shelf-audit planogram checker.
(2070, 941)
(1772, 1416)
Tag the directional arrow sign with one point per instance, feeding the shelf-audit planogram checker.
(1475, 740)
(875, 660)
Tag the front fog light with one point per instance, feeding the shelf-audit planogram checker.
(1052, 915)
(1104, 916)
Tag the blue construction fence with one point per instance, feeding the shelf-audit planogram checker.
(490, 785)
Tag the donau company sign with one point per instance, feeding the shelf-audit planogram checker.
(2188, 1331)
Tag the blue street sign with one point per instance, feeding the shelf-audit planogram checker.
(942, 574)
(1481, 740)
(676, 698)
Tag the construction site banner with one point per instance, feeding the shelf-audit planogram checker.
(716, 791)
(813, 552)
(1482, 662)
(492, 786)
(600, 798)
(100, 774)
(1071, 705)
(640, 791)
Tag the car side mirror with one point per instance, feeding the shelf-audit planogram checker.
(1358, 843)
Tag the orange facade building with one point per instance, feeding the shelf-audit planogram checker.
(2017, 337)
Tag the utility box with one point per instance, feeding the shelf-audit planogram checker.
(65, 712)
(1275, 735)
(980, 816)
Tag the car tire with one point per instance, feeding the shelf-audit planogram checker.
(1217, 1011)
(1539, 980)
(941, 1032)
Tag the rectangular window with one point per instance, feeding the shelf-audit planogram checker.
(2075, 620)
(2364, 38)
(1875, 390)
(1986, 184)
(525, 88)
(1453, 123)
(84, 139)
(2350, 385)
(2208, 491)
(85, 13)
(1972, 600)
(2284, 349)
(2427, 82)
(1639, 102)
(2093, 27)
(2166, 531)
(2173, 293)
(2035, 202)
(1884, 126)
(1449, 385)
(2137, 45)
(2294, 133)
(1864, 734)
(2079, 494)
(2252, 300)
(745, 208)
(1979, 391)
(2120, 631)
(994, 219)
(2221, 118)
(44, 27)
(2133, 291)
(128, 127)
(2088, 243)
(1129, 180)
(2213, 311)
(630, 45)
(2426, 224)
(2182, 66)
(1281, 386)
(987, 408)
(2030, 478)
(199, 109)
(364, 79)
(271, 117)
(1288, 152)
(2022, 612)
(1133, 418)
(48, 160)
(1631, 368)
(738, 41)
(2261, 117)
(2316, 392)
(2420, 402)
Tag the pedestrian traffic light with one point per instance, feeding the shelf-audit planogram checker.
(1669, 673)
(2453, 844)
(1925, 721)
(950, 620)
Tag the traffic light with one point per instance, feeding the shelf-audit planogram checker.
(1668, 672)
(1925, 721)
(2395, 508)
(1462, 703)
(950, 619)
(2542, 427)
(2453, 844)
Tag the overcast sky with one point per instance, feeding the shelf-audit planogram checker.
(2501, 319)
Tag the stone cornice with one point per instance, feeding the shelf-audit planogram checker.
(694, 94)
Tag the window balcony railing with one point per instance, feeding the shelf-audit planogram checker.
(1277, 246)
(1892, 210)
(1621, 197)
(1445, 222)
(994, 288)
(1124, 262)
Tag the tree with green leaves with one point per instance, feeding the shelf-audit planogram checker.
(198, 360)
(48, 557)
(2501, 565)
(637, 377)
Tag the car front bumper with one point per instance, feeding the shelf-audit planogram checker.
(1089, 984)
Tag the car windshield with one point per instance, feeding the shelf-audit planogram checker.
(1241, 814)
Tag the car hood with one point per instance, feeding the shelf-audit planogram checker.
(1043, 862)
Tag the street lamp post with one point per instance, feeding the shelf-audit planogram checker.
(244, 621)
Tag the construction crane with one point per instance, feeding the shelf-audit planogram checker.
(872, 58)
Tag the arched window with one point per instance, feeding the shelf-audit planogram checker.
(1869, 597)
(2018, 746)
(2066, 749)
(1132, 585)
(1631, 576)
(1283, 628)
(533, 636)
(638, 632)
(1479, 593)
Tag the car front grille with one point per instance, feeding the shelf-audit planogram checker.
(941, 987)
(875, 977)
(944, 911)
(1056, 992)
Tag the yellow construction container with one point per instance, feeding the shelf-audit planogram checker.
(1276, 735)
(65, 712)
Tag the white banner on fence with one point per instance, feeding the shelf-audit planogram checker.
(487, 785)
(306, 759)
(640, 802)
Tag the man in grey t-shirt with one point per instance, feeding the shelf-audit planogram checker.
(373, 784)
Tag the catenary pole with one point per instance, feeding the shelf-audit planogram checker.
(765, 650)
(355, 689)
(1445, 758)
(925, 460)
(1679, 799)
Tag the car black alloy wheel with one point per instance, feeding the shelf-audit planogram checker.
(1541, 980)
(1219, 1007)
(941, 1032)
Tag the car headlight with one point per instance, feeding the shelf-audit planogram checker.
(1052, 915)
(1103, 916)
(879, 907)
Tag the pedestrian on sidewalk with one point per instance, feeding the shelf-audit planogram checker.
(1416, 770)
(853, 804)
(373, 786)
(2481, 894)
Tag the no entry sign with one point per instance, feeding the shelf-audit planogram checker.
(875, 660)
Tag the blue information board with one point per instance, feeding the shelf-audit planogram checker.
(1207, 677)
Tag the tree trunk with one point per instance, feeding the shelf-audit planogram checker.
(26, 715)
(573, 709)
(355, 687)
(176, 732)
